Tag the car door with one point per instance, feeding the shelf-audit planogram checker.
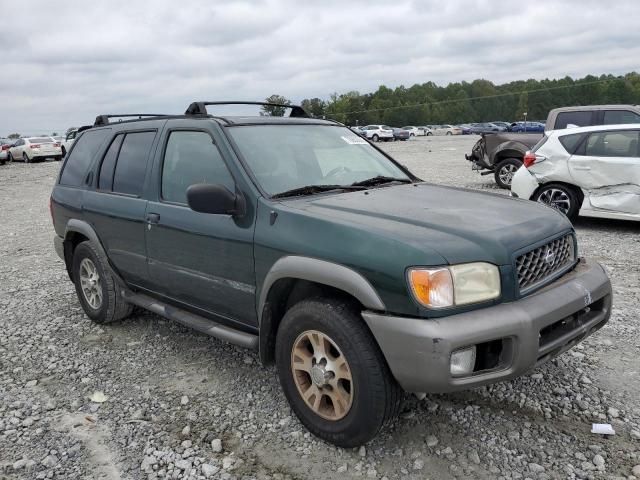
(116, 206)
(203, 261)
(17, 149)
(607, 168)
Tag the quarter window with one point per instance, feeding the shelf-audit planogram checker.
(190, 158)
(131, 166)
(619, 117)
(85, 148)
(612, 144)
(105, 180)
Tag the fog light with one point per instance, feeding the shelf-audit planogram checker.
(463, 361)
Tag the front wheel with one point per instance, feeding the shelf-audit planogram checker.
(563, 198)
(333, 372)
(9, 157)
(505, 170)
(429, 134)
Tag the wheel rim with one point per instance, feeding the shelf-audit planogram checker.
(556, 198)
(506, 173)
(322, 375)
(90, 283)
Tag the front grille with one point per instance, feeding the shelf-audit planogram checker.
(540, 264)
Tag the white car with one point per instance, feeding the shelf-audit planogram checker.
(68, 141)
(5, 143)
(426, 130)
(446, 130)
(376, 133)
(414, 131)
(589, 171)
(34, 148)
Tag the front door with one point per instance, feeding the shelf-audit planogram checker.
(607, 168)
(200, 260)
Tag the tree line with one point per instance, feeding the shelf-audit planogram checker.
(464, 102)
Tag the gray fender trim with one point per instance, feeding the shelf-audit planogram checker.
(320, 271)
(80, 226)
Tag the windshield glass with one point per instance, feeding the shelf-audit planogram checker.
(285, 157)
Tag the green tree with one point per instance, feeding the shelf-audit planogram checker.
(314, 106)
(13, 136)
(275, 111)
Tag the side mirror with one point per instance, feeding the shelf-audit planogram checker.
(215, 199)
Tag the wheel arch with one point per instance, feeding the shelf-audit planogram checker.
(294, 278)
(509, 149)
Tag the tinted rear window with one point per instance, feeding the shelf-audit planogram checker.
(132, 163)
(580, 119)
(80, 157)
(41, 140)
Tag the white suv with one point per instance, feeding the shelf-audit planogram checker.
(376, 133)
(414, 131)
(591, 171)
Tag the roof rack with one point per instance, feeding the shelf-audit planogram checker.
(104, 119)
(200, 108)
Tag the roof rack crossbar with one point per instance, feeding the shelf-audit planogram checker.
(104, 119)
(200, 108)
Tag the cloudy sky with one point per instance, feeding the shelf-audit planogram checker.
(66, 61)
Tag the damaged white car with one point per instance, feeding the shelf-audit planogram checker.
(588, 171)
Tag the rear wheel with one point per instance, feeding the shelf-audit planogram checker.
(375, 137)
(9, 157)
(429, 134)
(64, 152)
(563, 198)
(25, 158)
(333, 372)
(97, 291)
(505, 170)
(449, 133)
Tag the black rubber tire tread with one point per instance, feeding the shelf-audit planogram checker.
(571, 192)
(382, 398)
(499, 165)
(114, 307)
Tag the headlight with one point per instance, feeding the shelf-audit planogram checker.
(463, 284)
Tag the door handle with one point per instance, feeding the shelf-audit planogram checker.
(153, 217)
(581, 168)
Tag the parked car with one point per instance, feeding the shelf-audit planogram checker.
(446, 130)
(466, 129)
(590, 171)
(505, 125)
(414, 131)
(34, 149)
(479, 128)
(315, 248)
(68, 141)
(426, 130)
(5, 143)
(358, 130)
(502, 154)
(401, 134)
(376, 133)
(524, 127)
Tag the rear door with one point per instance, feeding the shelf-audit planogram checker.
(607, 168)
(116, 206)
(200, 260)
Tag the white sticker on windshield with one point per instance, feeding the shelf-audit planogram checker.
(354, 140)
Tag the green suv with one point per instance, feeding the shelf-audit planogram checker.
(298, 238)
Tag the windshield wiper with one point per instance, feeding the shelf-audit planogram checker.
(311, 189)
(379, 180)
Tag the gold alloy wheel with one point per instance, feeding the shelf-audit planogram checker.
(322, 374)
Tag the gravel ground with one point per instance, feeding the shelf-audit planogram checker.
(146, 398)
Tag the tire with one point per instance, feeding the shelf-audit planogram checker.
(25, 158)
(412, 135)
(505, 170)
(563, 198)
(64, 152)
(375, 138)
(9, 157)
(449, 133)
(374, 397)
(429, 134)
(112, 306)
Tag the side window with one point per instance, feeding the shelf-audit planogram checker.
(619, 117)
(82, 153)
(72, 135)
(580, 119)
(612, 144)
(571, 142)
(131, 166)
(105, 180)
(190, 158)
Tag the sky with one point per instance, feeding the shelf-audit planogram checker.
(67, 61)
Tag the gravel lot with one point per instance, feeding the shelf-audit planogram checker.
(183, 405)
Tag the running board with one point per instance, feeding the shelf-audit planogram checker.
(188, 319)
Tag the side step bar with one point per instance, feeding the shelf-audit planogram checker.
(188, 319)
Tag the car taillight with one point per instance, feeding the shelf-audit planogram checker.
(529, 159)
(56, 145)
(5, 147)
(34, 145)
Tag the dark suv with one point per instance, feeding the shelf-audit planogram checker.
(297, 237)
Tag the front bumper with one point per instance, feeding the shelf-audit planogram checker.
(533, 330)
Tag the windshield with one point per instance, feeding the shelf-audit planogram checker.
(286, 157)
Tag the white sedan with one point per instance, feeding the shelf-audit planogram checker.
(589, 171)
(446, 130)
(414, 131)
(34, 149)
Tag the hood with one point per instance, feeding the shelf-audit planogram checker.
(460, 225)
